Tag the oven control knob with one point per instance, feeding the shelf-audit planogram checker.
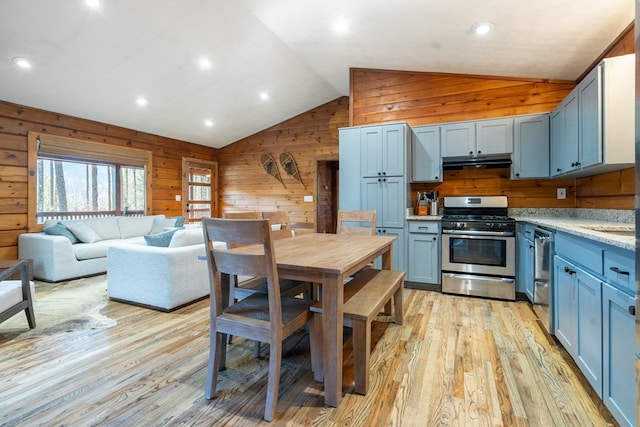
(490, 225)
(459, 225)
(500, 226)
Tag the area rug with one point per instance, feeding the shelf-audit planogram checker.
(63, 307)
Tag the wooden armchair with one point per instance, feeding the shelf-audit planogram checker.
(17, 295)
(268, 318)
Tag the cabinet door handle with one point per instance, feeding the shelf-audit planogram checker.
(470, 152)
(517, 173)
(384, 173)
(435, 238)
(479, 151)
(436, 177)
(568, 270)
(632, 310)
(617, 270)
(558, 170)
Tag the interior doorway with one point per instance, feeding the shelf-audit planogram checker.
(327, 196)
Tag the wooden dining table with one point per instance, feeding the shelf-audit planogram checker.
(329, 259)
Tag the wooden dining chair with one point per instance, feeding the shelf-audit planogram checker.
(280, 224)
(356, 222)
(268, 318)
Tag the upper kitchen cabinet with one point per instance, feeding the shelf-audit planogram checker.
(592, 130)
(426, 163)
(477, 138)
(530, 157)
(383, 150)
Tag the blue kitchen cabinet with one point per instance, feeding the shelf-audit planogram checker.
(566, 304)
(477, 138)
(590, 119)
(426, 161)
(383, 150)
(589, 351)
(579, 318)
(385, 195)
(423, 264)
(592, 128)
(619, 390)
(397, 248)
(494, 136)
(458, 139)
(530, 147)
(564, 135)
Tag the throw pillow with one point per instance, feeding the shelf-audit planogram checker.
(60, 229)
(187, 237)
(83, 232)
(179, 221)
(160, 239)
(159, 224)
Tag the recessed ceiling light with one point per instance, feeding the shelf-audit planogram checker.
(204, 63)
(93, 3)
(208, 123)
(341, 26)
(141, 101)
(22, 63)
(264, 96)
(482, 28)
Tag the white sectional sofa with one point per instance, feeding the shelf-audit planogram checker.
(163, 278)
(56, 258)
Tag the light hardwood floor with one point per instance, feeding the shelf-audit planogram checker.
(456, 361)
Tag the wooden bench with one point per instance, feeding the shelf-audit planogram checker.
(364, 298)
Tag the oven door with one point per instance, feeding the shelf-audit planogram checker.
(481, 253)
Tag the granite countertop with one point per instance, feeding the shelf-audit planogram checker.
(599, 230)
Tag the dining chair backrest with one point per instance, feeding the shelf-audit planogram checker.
(241, 215)
(257, 263)
(356, 222)
(280, 224)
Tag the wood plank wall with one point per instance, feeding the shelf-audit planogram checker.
(382, 96)
(16, 121)
(308, 137)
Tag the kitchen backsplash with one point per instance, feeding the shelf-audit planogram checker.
(614, 215)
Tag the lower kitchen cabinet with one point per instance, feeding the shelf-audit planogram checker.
(619, 349)
(579, 318)
(397, 248)
(423, 264)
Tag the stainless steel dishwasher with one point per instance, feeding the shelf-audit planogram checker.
(543, 241)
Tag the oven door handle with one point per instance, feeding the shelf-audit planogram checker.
(475, 233)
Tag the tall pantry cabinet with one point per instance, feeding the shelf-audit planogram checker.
(373, 176)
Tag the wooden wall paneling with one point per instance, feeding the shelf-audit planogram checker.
(310, 136)
(15, 123)
(538, 193)
(612, 190)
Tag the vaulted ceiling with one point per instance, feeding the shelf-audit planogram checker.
(243, 66)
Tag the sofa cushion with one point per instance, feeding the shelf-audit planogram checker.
(160, 239)
(84, 251)
(106, 227)
(59, 229)
(131, 226)
(187, 237)
(83, 232)
(160, 224)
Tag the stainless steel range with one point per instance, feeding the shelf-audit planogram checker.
(478, 247)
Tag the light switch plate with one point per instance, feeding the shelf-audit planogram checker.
(178, 197)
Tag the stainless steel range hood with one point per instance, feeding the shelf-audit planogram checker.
(498, 161)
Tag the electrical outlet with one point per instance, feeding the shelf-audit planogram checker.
(562, 193)
(178, 197)
(308, 198)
